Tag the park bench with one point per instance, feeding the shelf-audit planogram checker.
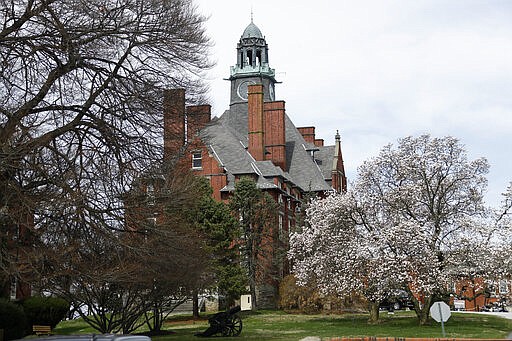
(41, 330)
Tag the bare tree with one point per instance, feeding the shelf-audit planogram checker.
(80, 108)
(114, 278)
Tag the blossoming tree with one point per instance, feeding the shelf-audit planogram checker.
(411, 211)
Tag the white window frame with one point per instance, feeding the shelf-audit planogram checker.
(280, 226)
(197, 159)
(14, 288)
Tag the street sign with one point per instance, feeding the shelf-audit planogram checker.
(440, 311)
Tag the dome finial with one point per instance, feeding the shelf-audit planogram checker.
(252, 14)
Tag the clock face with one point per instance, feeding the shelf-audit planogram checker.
(242, 89)
(271, 92)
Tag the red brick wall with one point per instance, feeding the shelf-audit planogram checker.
(308, 133)
(472, 291)
(275, 140)
(373, 338)
(197, 117)
(319, 142)
(174, 121)
(210, 167)
(256, 125)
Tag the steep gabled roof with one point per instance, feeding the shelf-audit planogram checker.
(227, 139)
(324, 157)
(301, 166)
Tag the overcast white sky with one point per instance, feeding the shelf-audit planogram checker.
(380, 70)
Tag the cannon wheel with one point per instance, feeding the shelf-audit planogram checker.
(233, 326)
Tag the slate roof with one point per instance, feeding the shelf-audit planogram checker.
(252, 31)
(226, 137)
(324, 157)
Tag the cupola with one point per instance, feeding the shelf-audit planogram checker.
(252, 66)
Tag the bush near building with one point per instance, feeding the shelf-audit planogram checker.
(12, 320)
(307, 299)
(47, 311)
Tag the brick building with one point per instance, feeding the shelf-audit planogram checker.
(254, 138)
(476, 293)
(15, 245)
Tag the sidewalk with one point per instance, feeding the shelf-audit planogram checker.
(506, 315)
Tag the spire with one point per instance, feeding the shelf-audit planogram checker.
(339, 179)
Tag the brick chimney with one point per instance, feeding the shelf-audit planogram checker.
(174, 121)
(319, 142)
(308, 133)
(275, 144)
(197, 117)
(256, 125)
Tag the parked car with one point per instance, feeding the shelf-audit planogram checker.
(496, 307)
(397, 301)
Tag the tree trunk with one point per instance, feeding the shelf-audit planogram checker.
(422, 310)
(424, 316)
(156, 318)
(373, 309)
(195, 303)
(252, 278)
(253, 295)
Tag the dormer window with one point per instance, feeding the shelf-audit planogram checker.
(197, 160)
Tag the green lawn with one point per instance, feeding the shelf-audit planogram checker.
(275, 325)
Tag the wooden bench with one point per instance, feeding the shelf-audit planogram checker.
(41, 330)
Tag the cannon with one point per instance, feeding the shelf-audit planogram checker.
(225, 323)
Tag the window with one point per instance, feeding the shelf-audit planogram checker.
(503, 286)
(249, 57)
(197, 160)
(14, 287)
(258, 58)
(280, 227)
(150, 192)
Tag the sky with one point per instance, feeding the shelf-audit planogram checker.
(380, 70)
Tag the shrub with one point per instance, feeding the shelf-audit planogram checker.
(12, 320)
(307, 299)
(48, 311)
(295, 297)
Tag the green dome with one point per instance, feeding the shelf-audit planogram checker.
(252, 31)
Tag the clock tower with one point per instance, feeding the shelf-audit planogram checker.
(251, 66)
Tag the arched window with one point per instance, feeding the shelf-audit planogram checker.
(249, 57)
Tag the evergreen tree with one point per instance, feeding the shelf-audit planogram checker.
(255, 210)
(220, 228)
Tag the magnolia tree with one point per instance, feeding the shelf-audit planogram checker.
(340, 255)
(411, 212)
(495, 259)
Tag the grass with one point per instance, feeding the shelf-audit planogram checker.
(276, 325)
